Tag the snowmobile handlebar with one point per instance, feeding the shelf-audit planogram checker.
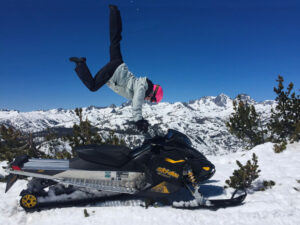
(152, 131)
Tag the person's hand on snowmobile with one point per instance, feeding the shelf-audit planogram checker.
(142, 125)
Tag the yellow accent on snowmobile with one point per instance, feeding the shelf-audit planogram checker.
(174, 161)
(192, 177)
(161, 188)
(28, 201)
(206, 168)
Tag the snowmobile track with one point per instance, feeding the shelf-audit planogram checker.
(105, 200)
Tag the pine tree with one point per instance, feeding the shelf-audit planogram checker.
(53, 144)
(13, 143)
(84, 133)
(285, 118)
(114, 140)
(245, 123)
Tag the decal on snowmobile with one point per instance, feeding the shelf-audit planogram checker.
(121, 175)
(206, 168)
(161, 188)
(174, 161)
(107, 174)
(166, 172)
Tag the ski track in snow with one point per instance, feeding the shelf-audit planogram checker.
(276, 206)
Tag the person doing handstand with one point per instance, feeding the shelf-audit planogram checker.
(116, 75)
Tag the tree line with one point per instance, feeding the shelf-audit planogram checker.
(283, 125)
(14, 142)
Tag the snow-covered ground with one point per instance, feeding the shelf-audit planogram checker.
(279, 205)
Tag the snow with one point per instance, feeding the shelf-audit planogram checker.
(278, 205)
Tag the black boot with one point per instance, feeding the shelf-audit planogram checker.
(78, 60)
(113, 7)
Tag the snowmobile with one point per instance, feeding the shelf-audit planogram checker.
(156, 170)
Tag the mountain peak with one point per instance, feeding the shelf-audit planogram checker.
(246, 98)
(221, 100)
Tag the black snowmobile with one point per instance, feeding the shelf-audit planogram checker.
(157, 170)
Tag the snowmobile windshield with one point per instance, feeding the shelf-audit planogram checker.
(174, 135)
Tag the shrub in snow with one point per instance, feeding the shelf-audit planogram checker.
(243, 177)
(86, 214)
(63, 155)
(267, 184)
(279, 147)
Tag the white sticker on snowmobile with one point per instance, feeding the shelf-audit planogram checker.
(98, 175)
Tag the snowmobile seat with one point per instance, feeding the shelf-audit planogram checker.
(110, 155)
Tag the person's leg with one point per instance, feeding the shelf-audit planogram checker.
(103, 75)
(115, 29)
(106, 72)
(85, 75)
(83, 72)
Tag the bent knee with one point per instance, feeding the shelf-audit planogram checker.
(93, 89)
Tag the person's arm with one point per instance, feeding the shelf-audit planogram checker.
(140, 88)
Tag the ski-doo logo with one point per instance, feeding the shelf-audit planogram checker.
(166, 173)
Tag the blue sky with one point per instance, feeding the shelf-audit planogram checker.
(193, 48)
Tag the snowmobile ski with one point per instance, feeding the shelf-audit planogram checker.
(212, 204)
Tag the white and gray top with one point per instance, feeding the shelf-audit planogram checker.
(124, 83)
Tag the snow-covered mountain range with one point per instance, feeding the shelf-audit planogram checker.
(203, 120)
